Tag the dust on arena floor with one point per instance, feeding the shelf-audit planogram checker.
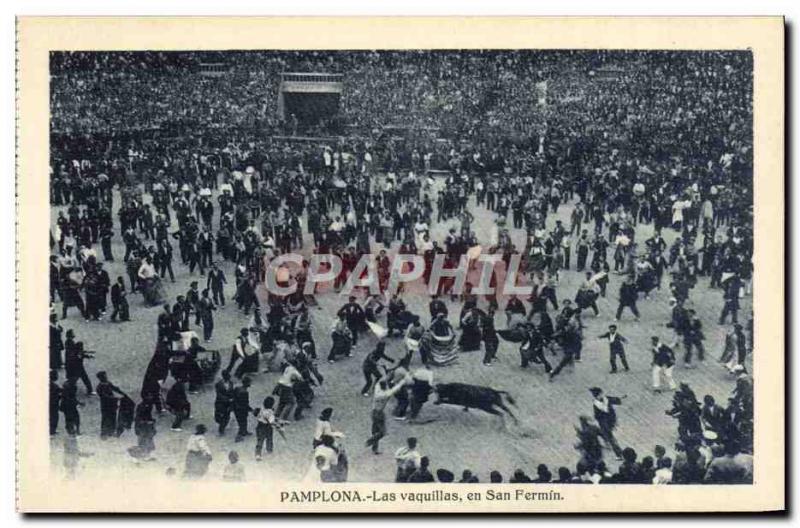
(452, 438)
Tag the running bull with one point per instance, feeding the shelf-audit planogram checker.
(475, 397)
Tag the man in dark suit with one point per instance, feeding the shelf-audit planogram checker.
(165, 259)
(437, 306)
(240, 402)
(178, 403)
(583, 249)
(606, 417)
(206, 245)
(515, 306)
(56, 343)
(693, 339)
(106, 234)
(532, 349)
(354, 315)
(216, 283)
(180, 313)
(192, 300)
(223, 403)
(54, 279)
(55, 402)
(165, 324)
(119, 302)
(627, 298)
(571, 338)
(74, 354)
(205, 309)
(616, 348)
(731, 297)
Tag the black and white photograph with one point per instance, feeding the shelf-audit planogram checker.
(528, 267)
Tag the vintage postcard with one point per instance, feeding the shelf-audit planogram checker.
(400, 265)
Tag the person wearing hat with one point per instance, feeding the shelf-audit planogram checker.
(240, 403)
(216, 283)
(606, 417)
(131, 242)
(223, 402)
(193, 256)
(180, 313)
(205, 243)
(663, 363)
(572, 336)
(164, 255)
(437, 306)
(108, 405)
(192, 300)
(167, 326)
(582, 246)
(243, 351)
(119, 302)
(693, 338)
(74, 355)
(531, 348)
(627, 298)
(616, 348)
(354, 315)
(205, 312)
(489, 337)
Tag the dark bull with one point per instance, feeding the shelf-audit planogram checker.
(475, 397)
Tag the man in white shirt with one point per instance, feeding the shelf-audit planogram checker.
(383, 391)
(285, 390)
(265, 423)
(407, 459)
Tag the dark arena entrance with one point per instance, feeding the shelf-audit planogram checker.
(308, 100)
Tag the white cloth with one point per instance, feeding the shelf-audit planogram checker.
(667, 373)
(289, 376)
(407, 458)
(663, 476)
(197, 443)
(146, 271)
